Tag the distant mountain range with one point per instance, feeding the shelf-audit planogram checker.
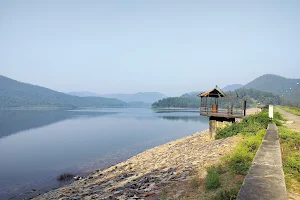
(232, 87)
(190, 95)
(270, 83)
(146, 97)
(15, 94)
(83, 94)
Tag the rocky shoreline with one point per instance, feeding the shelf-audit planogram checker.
(145, 175)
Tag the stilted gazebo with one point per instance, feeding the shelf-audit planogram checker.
(210, 107)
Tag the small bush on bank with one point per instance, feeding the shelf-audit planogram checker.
(226, 194)
(212, 180)
(278, 116)
(65, 177)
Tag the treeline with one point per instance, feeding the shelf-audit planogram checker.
(31, 100)
(236, 98)
(177, 102)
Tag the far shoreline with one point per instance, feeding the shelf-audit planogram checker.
(176, 108)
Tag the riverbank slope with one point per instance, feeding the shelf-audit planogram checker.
(145, 175)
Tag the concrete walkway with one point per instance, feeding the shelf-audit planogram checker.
(293, 120)
(265, 179)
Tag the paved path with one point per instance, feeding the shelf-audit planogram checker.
(293, 120)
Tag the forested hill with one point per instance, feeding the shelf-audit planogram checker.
(275, 84)
(190, 100)
(232, 87)
(177, 102)
(15, 94)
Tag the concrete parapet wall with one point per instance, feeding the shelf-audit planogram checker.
(265, 178)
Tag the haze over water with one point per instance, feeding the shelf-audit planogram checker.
(36, 146)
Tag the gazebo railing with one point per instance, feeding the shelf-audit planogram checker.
(209, 111)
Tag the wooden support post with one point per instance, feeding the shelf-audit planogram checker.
(245, 107)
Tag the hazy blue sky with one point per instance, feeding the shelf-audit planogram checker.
(127, 46)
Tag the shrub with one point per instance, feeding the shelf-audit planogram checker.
(212, 180)
(226, 194)
(64, 177)
(278, 116)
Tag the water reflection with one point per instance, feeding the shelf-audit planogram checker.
(176, 111)
(14, 121)
(79, 141)
(184, 118)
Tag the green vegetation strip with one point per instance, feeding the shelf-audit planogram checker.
(290, 151)
(223, 182)
(252, 129)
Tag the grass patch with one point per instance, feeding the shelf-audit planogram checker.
(294, 110)
(65, 177)
(240, 160)
(212, 180)
(228, 194)
(290, 152)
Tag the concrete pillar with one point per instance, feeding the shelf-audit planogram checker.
(212, 128)
(271, 111)
(215, 123)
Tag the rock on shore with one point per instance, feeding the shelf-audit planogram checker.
(143, 176)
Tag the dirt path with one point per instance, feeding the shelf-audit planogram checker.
(251, 111)
(293, 120)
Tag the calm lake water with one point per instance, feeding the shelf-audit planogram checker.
(36, 146)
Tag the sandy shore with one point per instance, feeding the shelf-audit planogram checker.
(143, 176)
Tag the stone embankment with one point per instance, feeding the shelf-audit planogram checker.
(145, 175)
